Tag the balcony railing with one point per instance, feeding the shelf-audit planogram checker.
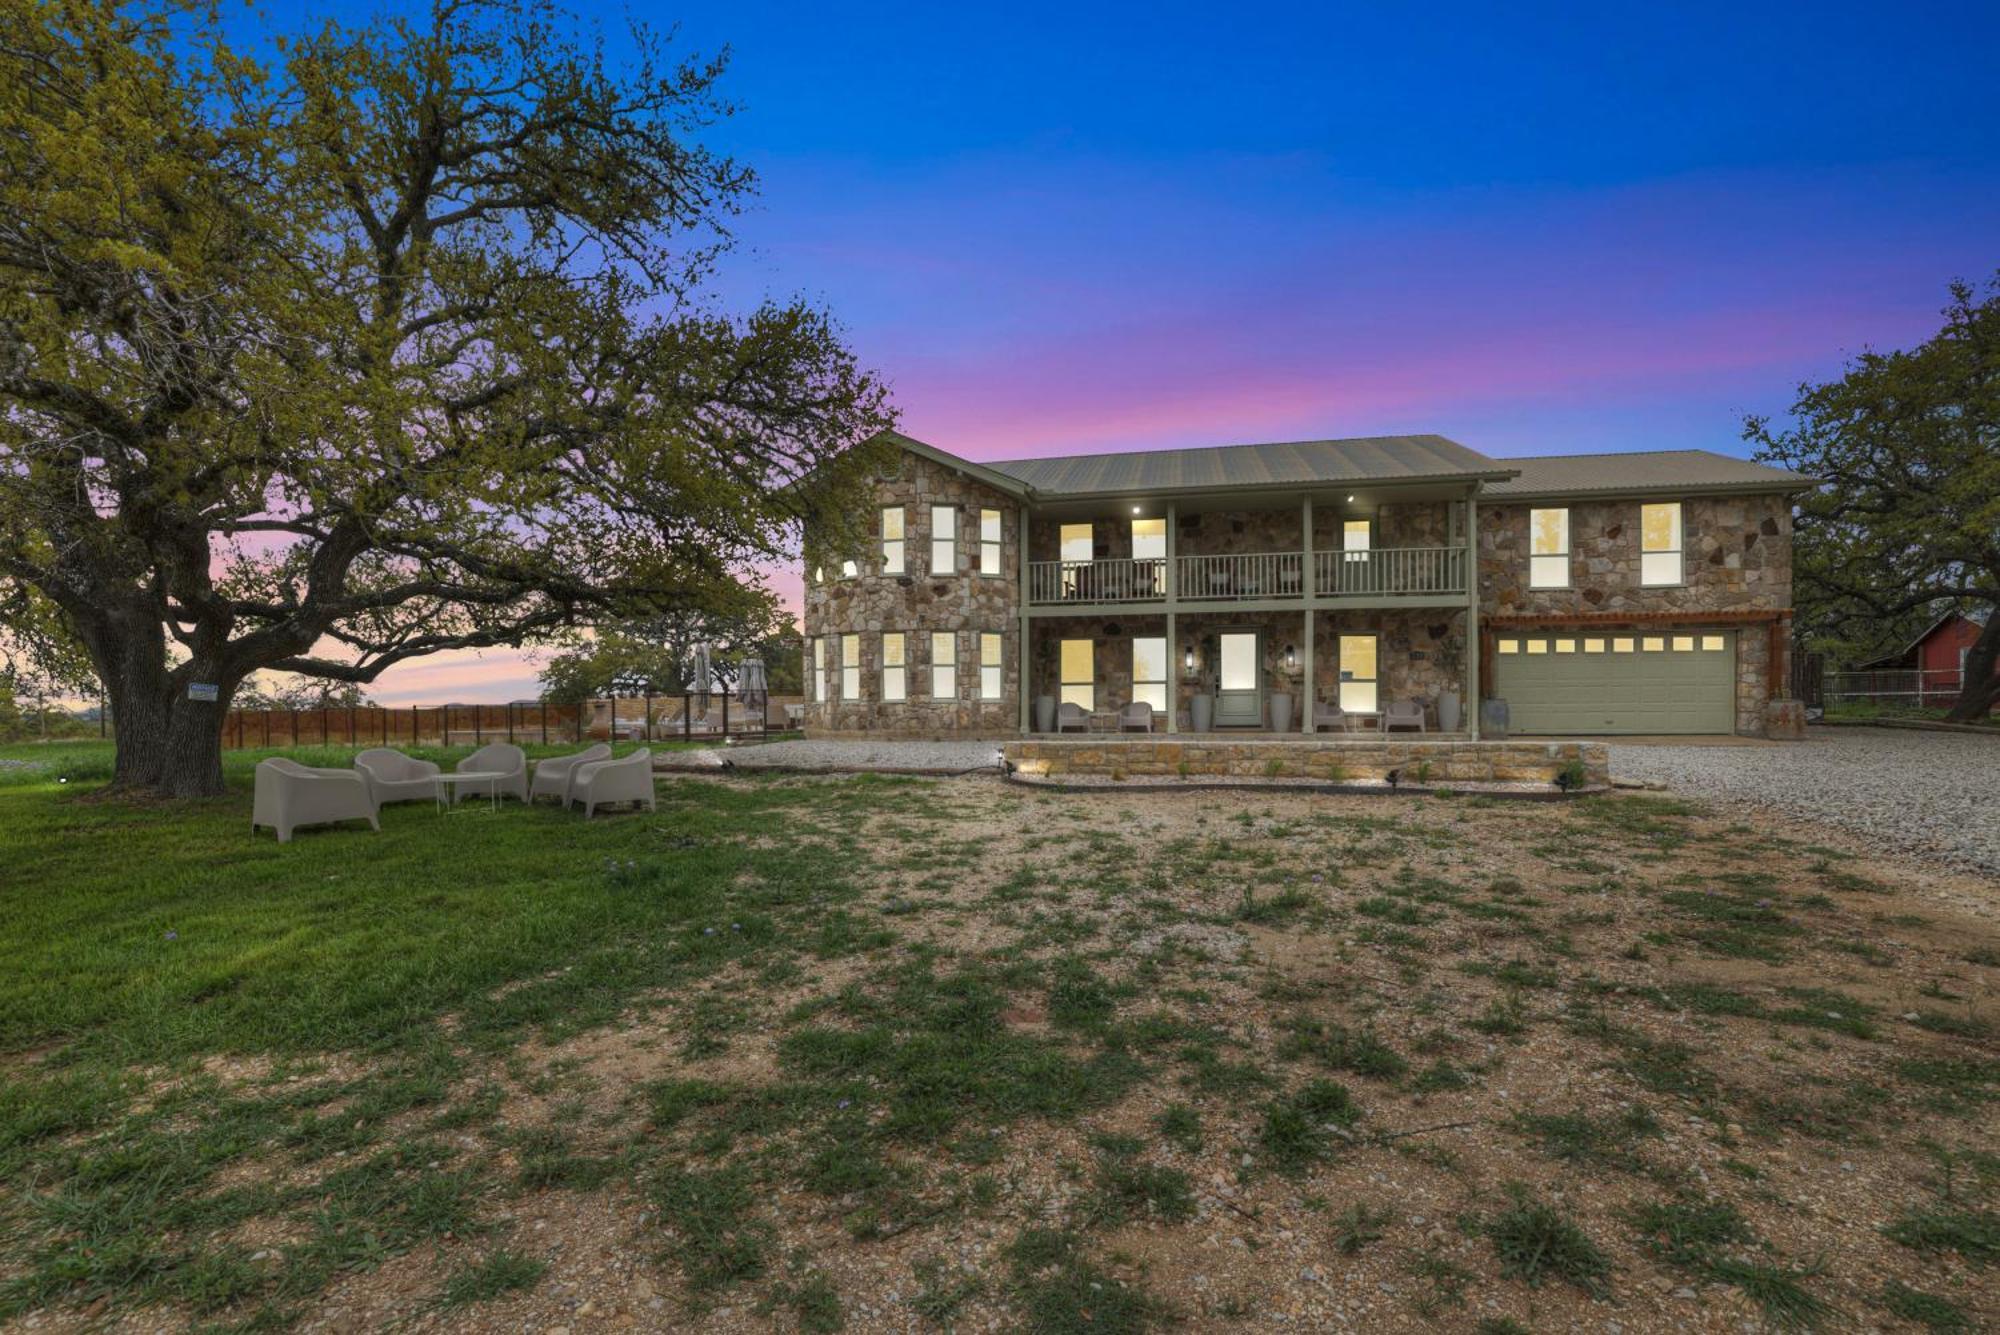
(1253, 576)
(1389, 571)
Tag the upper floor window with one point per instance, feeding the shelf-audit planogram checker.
(894, 672)
(944, 665)
(989, 542)
(944, 539)
(816, 679)
(1356, 537)
(1548, 549)
(892, 539)
(1660, 543)
(850, 667)
(1149, 547)
(1078, 547)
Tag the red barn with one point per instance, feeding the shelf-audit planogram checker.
(1939, 654)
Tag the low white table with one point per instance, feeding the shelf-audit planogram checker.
(447, 800)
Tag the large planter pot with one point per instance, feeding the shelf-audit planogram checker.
(1448, 717)
(1281, 713)
(1201, 712)
(1045, 713)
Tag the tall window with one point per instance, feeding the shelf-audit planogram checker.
(1149, 670)
(817, 685)
(1548, 549)
(1357, 673)
(944, 539)
(1660, 543)
(1149, 549)
(1079, 674)
(1078, 547)
(989, 542)
(1355, 537)
(989, 666)
(895, 683)
(944, 665)
(892, 539)
(850, 667)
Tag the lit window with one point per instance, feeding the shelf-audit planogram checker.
(1565, 646)
(1683, 644)
(892, 539)
(1593, 646)
(1149, 670)
(850, 667)
(1079, 674)
(1149, 556)
(1537, 646)
(1078, 548)
(894, 673)
(1355, 539)
(1660, 543)
(1654, 644)
(1548, 548)
(848, 570)
(1622, 644)
(989, 666)
(1711, 644)
(944, 665)
(817, 681)
(1509, 646)
(944, 539)
(1358, 661)
(989, 542)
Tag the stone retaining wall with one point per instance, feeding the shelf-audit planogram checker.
(1329, 759)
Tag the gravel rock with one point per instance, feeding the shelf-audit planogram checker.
(889, 756)
(1928, 794)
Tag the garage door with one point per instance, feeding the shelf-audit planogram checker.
(1586, 684)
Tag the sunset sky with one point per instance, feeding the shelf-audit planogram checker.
(1107, 227)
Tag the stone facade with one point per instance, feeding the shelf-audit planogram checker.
(917, 603)
(1325, 760)
(1736, 559)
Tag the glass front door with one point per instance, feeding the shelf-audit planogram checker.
(1239, 697)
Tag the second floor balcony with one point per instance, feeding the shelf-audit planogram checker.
(1379, 574)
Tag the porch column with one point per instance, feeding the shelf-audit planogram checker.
(1472, 611)
(1021, 656)
(1173, 602)
(1311, 692)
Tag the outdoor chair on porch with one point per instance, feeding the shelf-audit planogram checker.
(1069, 715)
(1329, 716)
(1136, 717)
(1403, 714)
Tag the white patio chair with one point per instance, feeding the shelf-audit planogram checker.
(553, 776)
(1070, 715)
(1403, 714)
(392, 776)
(602, 782)
(1329, 716)
(502, 758)
(289, 795)
(1136, 717)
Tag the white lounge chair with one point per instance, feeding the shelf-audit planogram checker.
(1070, 715)
(1136, 717)
(1329, 716)
(602, 782)
(395, 777)
(1403, 714)
(502, 758)
(553, 776)
(289, 795)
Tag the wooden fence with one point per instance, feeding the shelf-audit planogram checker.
(629, 718)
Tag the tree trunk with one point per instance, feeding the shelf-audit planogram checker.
(168, 745)
(1979, 689)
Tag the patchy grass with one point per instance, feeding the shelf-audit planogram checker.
(1038, 1062)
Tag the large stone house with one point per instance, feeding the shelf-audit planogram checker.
(1237, 587)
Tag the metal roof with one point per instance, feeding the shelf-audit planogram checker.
(1286, 463)
(1637, 472)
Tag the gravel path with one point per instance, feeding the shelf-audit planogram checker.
(1926, 793)
(883, 757)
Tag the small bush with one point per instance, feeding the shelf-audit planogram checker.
(1536, 1241)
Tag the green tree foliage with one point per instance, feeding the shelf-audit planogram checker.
(1908, 524)
(657, 655)
(395, 344)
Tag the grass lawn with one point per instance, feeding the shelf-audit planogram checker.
(876, 1053)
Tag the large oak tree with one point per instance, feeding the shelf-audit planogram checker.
(391, 342)
(1908, 522)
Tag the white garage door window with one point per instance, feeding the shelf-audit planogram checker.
(1557, 682)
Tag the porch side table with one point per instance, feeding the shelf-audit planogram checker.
(447, 800)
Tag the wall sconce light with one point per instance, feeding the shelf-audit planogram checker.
(1291, 658)
(1187, 659)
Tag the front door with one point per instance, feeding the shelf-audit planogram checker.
(1239, 695)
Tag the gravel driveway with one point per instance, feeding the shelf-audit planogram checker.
(1926, 793)
(842, 755)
